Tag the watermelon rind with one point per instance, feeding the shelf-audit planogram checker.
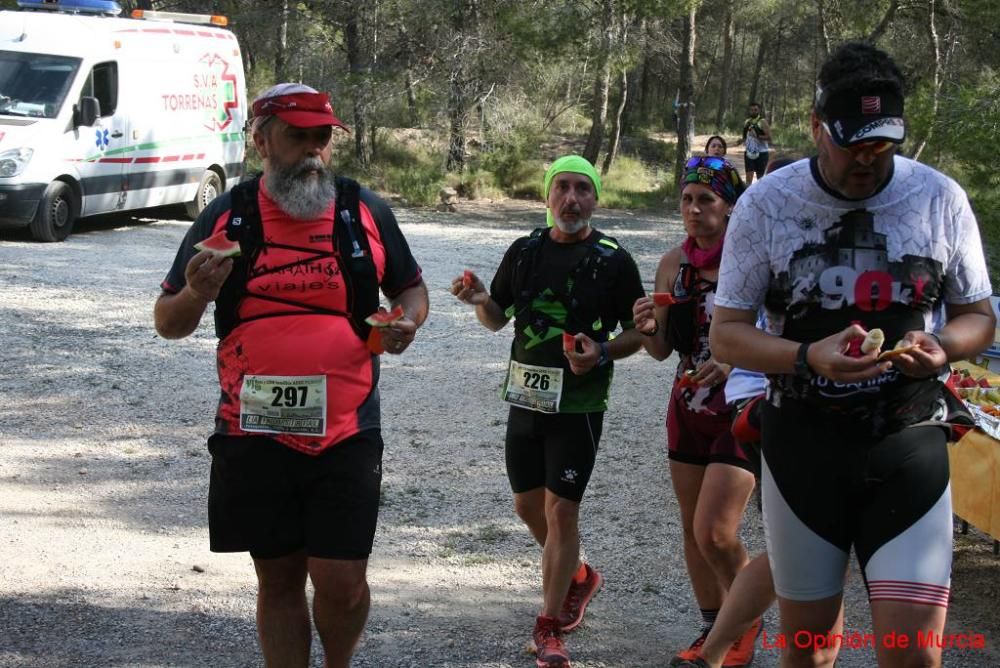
(385, 318)
(219, 244)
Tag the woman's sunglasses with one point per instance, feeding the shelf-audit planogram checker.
(711, 162)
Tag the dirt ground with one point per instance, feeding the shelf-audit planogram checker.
(104, 555)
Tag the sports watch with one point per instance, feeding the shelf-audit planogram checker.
(802, 368)
(603, 359)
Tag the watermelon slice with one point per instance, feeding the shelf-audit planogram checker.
(663, 298)
(687, 379)
(467, 279)
(569, 342)
(374, 341)
(385, 318)
(219, 244)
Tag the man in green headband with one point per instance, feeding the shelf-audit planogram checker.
(570, 164)
(567, 287)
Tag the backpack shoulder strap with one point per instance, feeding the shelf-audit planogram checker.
(244, 226)
(524, 270)
(356, 263)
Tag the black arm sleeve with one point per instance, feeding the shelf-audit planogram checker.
(401, 269)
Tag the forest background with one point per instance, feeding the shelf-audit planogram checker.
(481, 95)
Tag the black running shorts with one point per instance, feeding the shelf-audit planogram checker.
(554, 450)
(757, 165)
(270, 500)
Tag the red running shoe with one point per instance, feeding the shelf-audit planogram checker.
(577, 598)
(691, 654)
(740, 655)
(696, 662)
(550, 652)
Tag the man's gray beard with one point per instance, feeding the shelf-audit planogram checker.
(303, 198)
(570, 228)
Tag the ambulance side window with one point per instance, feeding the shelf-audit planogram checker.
(102, 83)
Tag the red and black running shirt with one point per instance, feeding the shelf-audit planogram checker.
(301, 342)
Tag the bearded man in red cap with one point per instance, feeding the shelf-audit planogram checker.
(297, 447)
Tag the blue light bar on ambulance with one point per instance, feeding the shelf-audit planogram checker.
(73, 6)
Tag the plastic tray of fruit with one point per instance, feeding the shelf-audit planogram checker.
(984, 404)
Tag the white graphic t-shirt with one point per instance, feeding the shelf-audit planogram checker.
(817, 262)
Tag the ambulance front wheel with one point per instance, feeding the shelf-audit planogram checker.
(57, 211)
(209, 188)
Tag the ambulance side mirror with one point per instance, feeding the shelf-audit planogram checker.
(87, 112)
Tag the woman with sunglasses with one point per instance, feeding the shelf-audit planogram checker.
(710, 473)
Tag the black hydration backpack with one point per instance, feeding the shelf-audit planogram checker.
(583, 310)
(352, 253)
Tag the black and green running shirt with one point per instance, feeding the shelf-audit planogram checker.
(549, 288)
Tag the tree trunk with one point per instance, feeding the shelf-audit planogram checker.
(758, 68)
(411, 98)
(741, 69)
(708, 71)
(456, 120)
(280, 60)
(685, 110)
(374, 21)
(358, 62)
(883, 25)
(616, 125)
(824, 34)
(602, 85)
(728, 36)
(409, 88)
(457, 103)
(646, 86)
(936, 83)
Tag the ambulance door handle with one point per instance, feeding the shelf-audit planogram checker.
(116, 134)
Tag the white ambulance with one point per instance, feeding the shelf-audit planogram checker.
(100, 114)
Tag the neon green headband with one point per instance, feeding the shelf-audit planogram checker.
(574, 164)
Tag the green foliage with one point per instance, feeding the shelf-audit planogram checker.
(516, 167)
(795, 140)
(475, 184)
(964, 145)
(411, 170)
(631, 184)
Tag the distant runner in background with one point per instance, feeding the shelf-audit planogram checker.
(568, 287)
(755, 138)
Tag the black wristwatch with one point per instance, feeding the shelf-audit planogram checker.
(802, 368)
(603, 359)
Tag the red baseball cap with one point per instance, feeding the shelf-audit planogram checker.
(298, 105)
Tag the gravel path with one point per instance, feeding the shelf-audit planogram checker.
(104, 555)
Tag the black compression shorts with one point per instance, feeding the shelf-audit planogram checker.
(827, 490)
(555, 450)
(270, 500)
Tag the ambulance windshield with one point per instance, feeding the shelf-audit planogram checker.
(34, 84)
